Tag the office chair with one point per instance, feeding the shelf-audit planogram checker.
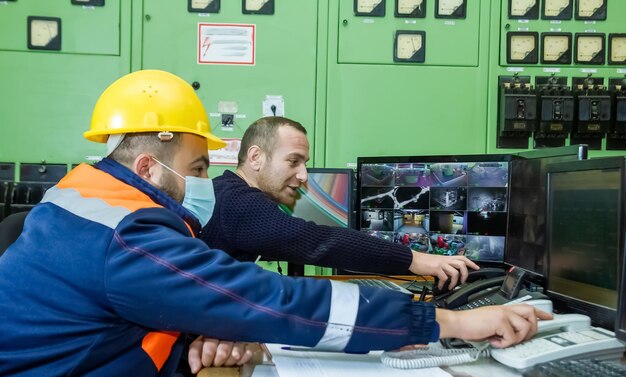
(10, 229)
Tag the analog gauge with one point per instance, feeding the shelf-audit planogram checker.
(527, 9)
(522, 48)
(411, 8)
(371, 8)
(93, 3)
(589, 49)
(44, 33)
(557, 10)
(203, 6)
(257, 6)
(409, 46)
(617, 49)
(591, 9)
(556, 48)
(450, 8)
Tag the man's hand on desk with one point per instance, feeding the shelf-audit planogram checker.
(452, 268)
(502, 326)
(206, 352)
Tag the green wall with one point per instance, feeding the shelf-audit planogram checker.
(334, 70)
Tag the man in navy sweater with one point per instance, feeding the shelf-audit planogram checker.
(247, 222)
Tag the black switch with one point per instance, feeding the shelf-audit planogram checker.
(595, 110)
(558, 111)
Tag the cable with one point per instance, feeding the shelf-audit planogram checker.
(433, 356)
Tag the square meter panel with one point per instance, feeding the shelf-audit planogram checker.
(370, 40)
(86, 30)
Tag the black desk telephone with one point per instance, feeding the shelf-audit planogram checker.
(487, 286)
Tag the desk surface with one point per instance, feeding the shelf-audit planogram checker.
(484, 367)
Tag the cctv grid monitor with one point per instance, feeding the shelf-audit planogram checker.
(586, 237)
(445, 205)
(526, 232)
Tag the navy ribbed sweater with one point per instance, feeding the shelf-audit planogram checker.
(246, 223)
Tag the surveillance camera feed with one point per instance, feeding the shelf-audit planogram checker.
(445, 208)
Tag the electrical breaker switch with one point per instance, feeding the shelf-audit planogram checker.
(616, 138)
(594, 114)
(556, 103)
(593, 122)
(517, 116)
(520, 111)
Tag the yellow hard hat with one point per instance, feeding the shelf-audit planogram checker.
(150, 100)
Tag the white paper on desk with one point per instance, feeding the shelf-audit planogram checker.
(336, 364)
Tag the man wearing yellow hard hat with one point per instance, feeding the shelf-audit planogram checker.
(108, 273)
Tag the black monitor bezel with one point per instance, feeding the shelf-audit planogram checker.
(433, 159)
(581, 151)
(600, 315)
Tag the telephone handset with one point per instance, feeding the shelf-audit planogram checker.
(461, 296)
(565, 336)
(473, 276)
(495, 291)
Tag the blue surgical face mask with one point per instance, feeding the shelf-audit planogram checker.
(199, 196)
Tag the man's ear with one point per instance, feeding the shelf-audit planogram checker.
(142, 167)
(256, 157)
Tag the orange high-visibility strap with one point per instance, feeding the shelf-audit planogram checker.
(82, 177)
(158, 345)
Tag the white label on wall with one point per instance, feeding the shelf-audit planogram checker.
(232, 44)
(552, 70)
(228, 107)
(589, 70)
(515, 69)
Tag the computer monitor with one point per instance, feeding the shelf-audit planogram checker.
(446, 205)
(620, 320)
(326, 199)
(526, 239)
(586, 237)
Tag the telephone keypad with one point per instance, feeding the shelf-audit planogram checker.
(477, 304)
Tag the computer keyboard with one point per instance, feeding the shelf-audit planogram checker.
(380, 283)
(578, 368)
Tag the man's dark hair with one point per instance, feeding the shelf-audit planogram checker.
(264, 133)
(145, 142)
